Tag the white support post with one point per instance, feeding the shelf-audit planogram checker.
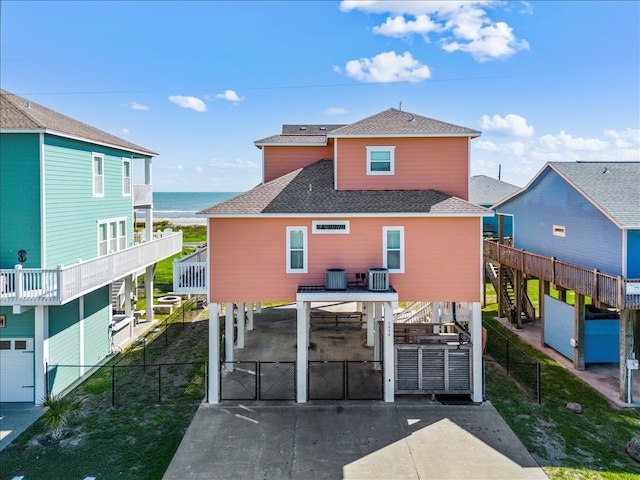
(148, 291)
(302, 350)
(241, 323)
(214, 353)
(389, 368)
(250, 316)
(81, 333)
(41, 352)
(228, 337)
(377, 317)
(128, 293)
(476, 352)
(258, 307)
(369, 311)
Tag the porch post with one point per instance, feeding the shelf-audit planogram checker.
(228, 337)
(41, 352)
(369, 309)
(628, 318)
(148, 291)
(240, 322)
(214, 353)
(128, 291)
(258, 307)
(578, 327)
(250, 316)
(375, 311)
(302, 350)
(543, 289)
(476, 352)
(389, 369)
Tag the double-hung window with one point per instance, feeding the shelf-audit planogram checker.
(126, 177)
(393, 249)
(112, 236)
(98, 175)
(296, 249)
(380, 160)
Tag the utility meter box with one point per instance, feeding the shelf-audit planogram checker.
(632, 364)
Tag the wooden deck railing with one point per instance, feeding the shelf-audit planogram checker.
(617, 292)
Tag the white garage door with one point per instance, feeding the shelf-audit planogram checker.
(16, 370)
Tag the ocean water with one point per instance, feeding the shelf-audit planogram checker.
(185, 204)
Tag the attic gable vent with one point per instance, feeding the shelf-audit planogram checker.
(341, 226)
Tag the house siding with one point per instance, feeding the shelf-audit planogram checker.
(633, 254)
(96, 326)
(20, 227)
(420, 164)
(64, 346)
(593, 244)
(249, 257)
(17, 326)
(558, 326)
(280, 160)
(72, 213)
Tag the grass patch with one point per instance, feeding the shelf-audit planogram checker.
(591, 445)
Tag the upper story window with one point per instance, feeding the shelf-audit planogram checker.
(98, 175)
(296, 249)
(112, 236)
(126, 177)
(393, 249)
(380, 160)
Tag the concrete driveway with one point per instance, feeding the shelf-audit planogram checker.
(340, 440)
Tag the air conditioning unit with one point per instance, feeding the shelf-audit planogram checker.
(336, 279)
(378, 279)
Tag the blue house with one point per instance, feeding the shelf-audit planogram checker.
(67, 246)
(582, 222)
(486, 192)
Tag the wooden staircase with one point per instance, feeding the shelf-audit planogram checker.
(507, 291)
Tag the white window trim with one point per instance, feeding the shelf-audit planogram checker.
(96, 176)
(391, 150)
(559, 231)
(384, 249)
(108, 223)
(317, 223)
(305, 253)
(124, 189)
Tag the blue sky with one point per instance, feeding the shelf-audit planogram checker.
(199, 82)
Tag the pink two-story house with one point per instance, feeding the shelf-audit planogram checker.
(375, 212)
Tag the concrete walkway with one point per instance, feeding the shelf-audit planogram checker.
(15, 418)
(338, 440)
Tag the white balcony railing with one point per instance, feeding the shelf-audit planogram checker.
(190, 274)
(57, 286)
(142, 195)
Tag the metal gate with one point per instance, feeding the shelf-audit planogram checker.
(345, 380)
(258, 381)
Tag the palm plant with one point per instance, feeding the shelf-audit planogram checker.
(60, 411)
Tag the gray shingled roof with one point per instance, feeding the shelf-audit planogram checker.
(17, 113)
(612, 186)
(394, 122)
(299, 134)
(485, 190)
(310, 191)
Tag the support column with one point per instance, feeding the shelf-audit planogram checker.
(228, 337)
(369, 311)
(41, 352)
(302, 350)
(628, 318)
(517, 294)
(241, 323)
(543, 289)
(81, 333)
(148, 291)
(214, 353)
(578, 327)
(476, 352)
(128, 293)
(250, 316)
(258, 307)
(377, 341)
(389, 368)
(502, 307)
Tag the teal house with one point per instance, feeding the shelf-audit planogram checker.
(69, 257)
(486, 191)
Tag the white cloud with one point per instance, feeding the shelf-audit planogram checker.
(125, 131)
(199, 170)
(512, 124)
(388, 67)
(189, 102)
(566, 142)
(462, 25)
(229, 95)
(237, 164)
(138, 106)
(335, 111)
(485, 145)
